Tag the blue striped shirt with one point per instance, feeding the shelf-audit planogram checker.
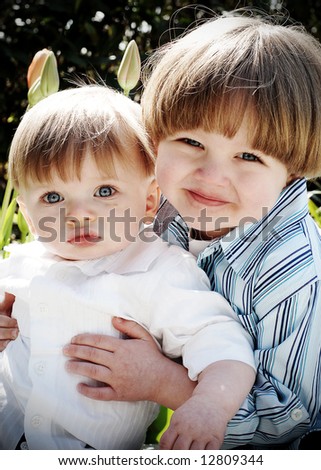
(270, 272)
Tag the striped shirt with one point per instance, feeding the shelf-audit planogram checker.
(270, 272)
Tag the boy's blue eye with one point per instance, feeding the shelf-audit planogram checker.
(104, 191)
(249, 157)
(52, 198)
(192, 142)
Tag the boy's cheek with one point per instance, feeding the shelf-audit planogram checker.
(165, 177)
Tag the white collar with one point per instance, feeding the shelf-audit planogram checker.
(136, 257)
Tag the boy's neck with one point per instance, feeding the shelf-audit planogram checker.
(207, 236)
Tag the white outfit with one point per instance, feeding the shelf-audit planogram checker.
(157, 285)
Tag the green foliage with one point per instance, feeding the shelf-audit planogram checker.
(159, 426)
(7, 215)
(314, 202)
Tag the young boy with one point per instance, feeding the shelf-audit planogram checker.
(85, 174)
(234, 109)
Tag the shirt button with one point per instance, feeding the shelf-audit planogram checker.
(36, 421)
(43, 308)
(296, 414)
(40, 367)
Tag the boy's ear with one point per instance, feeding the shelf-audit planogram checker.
(291, 178)
(152, 201)
(24, 211)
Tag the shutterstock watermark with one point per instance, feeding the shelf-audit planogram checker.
(206, 224)
(87, 227)
(124, 227)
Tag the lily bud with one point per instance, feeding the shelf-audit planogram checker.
(35, 68)
(42, 77)
(129, 69)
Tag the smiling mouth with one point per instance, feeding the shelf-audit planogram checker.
(205, 199)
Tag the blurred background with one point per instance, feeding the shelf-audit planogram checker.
(88, 37)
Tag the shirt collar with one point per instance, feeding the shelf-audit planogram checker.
(136, 257)
(241, 244)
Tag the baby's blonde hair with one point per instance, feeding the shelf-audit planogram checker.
(233, 67)
(58, 132)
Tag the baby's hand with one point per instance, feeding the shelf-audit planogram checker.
(8, 326)
(196, 424)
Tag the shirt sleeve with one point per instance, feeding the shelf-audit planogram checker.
(17, 269)
(286, 398)
(192, 321)
(7, 269)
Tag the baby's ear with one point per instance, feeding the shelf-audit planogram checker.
(152, 201)
(24, 211)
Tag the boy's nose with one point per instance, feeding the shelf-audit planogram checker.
(213, 173)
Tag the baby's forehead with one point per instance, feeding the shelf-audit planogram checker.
(102, 164)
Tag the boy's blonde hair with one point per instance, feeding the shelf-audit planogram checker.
(56, 134)
(233, 67)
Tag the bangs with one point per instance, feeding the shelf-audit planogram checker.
(66, 161)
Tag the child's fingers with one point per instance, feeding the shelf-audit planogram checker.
(7, 323)
(8, 330)
(7, 334)
(131, 329)
(6, 304)
(3, 345)
(86, 369)
(97, 341)
(168, 439)
(89, 354)
(105, 393)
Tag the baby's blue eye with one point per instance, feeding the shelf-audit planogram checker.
(249, 157)
(52, 198)
(104, 191)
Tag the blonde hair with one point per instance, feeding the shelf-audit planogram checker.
(56, 134)
(233, 67)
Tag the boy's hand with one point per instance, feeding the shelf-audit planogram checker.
(8, 326)
(125, 368)
(197, 425)
(129, 369)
